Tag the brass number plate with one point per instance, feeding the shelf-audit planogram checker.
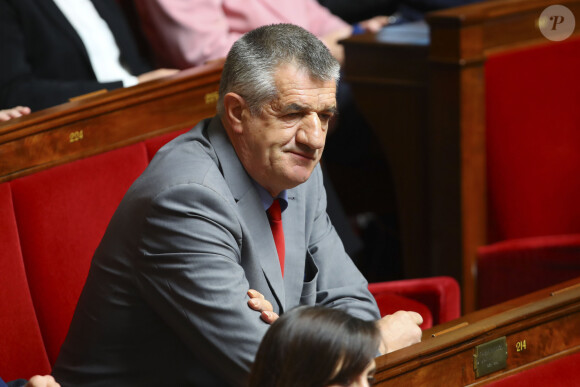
(490, 357)
(211, 98)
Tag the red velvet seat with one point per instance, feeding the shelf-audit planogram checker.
(22, 352)
(521, 266)
(436, 299)
(389, 303)
(533, 167)
(562, 372)
(62, 214)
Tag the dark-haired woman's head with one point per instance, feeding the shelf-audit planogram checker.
(316, 347)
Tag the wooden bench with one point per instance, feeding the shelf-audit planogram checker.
(103, 122)
(532, 340)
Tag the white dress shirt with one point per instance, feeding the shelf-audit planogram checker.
(98, 39)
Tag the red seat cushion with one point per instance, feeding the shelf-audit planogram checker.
(62, 214)
(516, 267)
(389, 303)
(441, 295)
(22, 352)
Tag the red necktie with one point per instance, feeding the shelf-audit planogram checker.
(275, 218)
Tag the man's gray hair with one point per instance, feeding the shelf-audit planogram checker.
(253, 59)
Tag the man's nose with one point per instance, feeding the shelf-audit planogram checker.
(311, 132)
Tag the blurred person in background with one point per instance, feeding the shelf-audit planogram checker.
(57, 49)
(183, 34)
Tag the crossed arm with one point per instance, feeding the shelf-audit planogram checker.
(398, 330)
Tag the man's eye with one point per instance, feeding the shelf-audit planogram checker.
(325, 117)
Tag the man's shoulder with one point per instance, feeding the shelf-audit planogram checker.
(188, 159)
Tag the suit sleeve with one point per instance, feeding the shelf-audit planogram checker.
(340, 284)
(189, 271)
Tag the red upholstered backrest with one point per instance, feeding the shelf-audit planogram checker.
(62, 214)
(390, 303)
(533, 141)
(153, 144)
(22, 352)
(519, 266)
(440, 295)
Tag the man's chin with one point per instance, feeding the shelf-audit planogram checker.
(301, 175)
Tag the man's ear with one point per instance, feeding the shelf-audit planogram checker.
(234, 106)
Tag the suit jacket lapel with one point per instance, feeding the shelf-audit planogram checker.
(294, 234)
(250, 208)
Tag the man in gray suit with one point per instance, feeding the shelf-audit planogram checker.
(187, 277)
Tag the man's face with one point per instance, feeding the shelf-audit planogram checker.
(280, 147)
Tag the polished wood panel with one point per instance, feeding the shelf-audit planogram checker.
(538, 327)
(389, 80)
(95, 124)
(425, 99)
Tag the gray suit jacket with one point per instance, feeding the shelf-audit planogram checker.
(165, 300)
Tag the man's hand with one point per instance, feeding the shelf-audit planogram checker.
(374, 24)
(259, 303)
(14, 112)
(399, 330)
(42, 381)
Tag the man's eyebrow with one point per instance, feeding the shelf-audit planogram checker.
(296, 107)
(331, 109)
